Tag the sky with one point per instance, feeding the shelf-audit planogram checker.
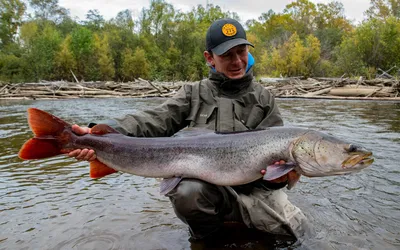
(246, 9)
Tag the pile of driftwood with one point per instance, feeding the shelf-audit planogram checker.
(65, 90)
(334, 88)
(327, 88)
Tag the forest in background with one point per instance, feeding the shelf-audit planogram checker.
(164, 44)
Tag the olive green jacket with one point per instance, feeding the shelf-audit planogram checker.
(217, 103)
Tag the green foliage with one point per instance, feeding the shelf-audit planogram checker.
(295, 57)
(104, 60)
(41, 47)
(135, 64)
(95, 21)
(382, 9)
(65, 61)
(164, 43)
(11, 68)
(349, 60)
(82, 47)
(48, 10)
(11, 12)
(375, 44)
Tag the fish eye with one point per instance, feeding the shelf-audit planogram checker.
(352, 148)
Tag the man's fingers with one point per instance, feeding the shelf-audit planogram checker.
(90, 156)
(74, 153)
(82, 154)
(80, 130)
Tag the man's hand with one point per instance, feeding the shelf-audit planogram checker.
(82, 154)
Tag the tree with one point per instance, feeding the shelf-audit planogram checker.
(312, 55)
(295, 57)
(331, 25)
(11, 12)
(379, 42)
(383, 9)
(65, 61)
(104, 59)
(349, 59)
(41, 48)
(303, 13)
(82, 47)
(272, 29)
(11, 68)
(48, 10)
(135, 64)
(94, 21)
(124, 20)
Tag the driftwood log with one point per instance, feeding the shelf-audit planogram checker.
(334, 88)
(326, 88)
(64, 90)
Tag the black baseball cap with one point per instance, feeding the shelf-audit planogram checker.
(225, 34)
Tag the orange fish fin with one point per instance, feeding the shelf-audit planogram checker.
(99, 169)
(293, 178)
(37, 148)
(101, 129)
(43, 123)
(49, 136)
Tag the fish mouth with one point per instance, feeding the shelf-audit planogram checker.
(363, 159)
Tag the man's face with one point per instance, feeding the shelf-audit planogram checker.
(232, 63)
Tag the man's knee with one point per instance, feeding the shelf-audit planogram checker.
(193, 196)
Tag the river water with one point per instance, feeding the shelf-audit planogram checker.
(53, 204)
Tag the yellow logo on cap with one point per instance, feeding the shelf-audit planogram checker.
(229, 29)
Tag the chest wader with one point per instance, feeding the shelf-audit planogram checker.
(204, 207)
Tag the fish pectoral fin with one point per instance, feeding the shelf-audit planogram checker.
(101, 129)
(278, 170)
(293, 178)
(99, 169)
(168, 184)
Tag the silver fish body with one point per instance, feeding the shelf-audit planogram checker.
(222, 159)
(226, 159)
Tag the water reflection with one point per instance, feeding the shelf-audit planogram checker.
(53, 204)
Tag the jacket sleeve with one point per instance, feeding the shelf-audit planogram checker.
(272, 116)
(164, 120)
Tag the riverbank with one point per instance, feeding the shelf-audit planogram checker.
(311, 88)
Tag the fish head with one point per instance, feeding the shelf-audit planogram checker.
(319, 154)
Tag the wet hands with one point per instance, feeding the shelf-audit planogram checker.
(81, 154)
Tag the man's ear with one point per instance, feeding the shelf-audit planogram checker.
(209, 58)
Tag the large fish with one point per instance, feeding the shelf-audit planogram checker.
(222, 159)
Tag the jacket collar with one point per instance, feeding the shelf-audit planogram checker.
(230, 86)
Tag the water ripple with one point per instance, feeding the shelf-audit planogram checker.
(53, 204)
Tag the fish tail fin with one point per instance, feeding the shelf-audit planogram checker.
(49, 135)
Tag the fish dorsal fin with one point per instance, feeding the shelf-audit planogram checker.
(99, 169)
(189, 132)
(101, 129)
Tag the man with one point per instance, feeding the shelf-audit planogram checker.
(229, 100)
